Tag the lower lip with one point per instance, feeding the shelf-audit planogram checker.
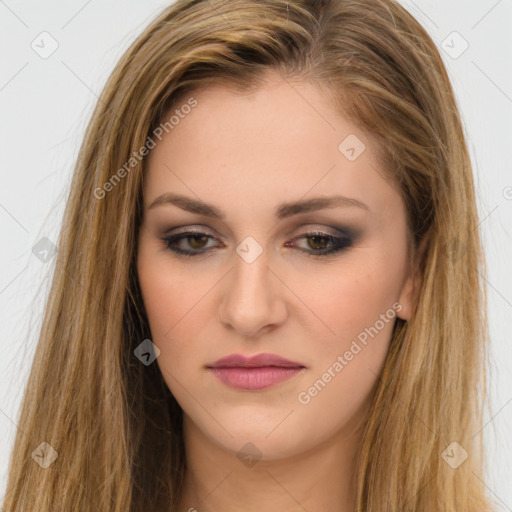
(254, 379)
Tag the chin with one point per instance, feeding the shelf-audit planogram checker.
(261, 441)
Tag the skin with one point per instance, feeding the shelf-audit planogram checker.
(246, 154)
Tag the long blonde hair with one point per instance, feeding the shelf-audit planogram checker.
(112, 421)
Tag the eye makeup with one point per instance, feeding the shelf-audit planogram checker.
(194, 242)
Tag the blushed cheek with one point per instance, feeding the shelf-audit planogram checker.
(352, 316)
(161, 306)
(169, 306)
(352, 304)
(161, 291)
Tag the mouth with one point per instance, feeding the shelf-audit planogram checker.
(254, 373)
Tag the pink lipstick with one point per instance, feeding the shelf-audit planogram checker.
(254, 373)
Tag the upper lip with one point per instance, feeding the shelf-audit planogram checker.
(259, 360)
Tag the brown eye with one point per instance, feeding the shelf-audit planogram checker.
(194, 243)
(319, 242)
(324, 244)
(197, 241)
(191, 243)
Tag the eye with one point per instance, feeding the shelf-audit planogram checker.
(318, 243)
(195, 239)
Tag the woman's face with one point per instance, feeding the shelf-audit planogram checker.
(271, 270)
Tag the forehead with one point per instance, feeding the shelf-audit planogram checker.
(279, 142)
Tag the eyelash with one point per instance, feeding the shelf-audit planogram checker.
(340, 243)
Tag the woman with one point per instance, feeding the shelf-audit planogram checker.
(266, 294)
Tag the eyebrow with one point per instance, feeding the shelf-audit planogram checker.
(282, 211)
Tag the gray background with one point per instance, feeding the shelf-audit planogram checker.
(46, 102)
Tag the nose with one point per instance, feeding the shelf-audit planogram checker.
(253, 297)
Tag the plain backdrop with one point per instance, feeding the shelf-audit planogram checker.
(46, 101)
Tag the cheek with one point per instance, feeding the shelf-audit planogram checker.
(177, 307)
(357, 306)
(167, 299)
(357, 313)
(348, 299)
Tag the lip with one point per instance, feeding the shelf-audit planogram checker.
(254, 373)
(259, 360)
